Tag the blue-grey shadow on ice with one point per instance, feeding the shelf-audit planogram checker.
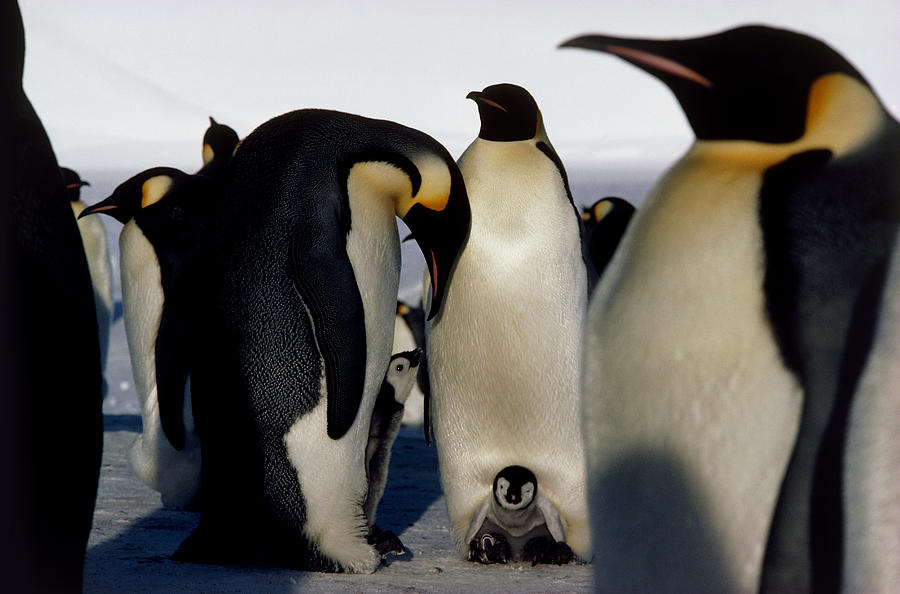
(653, 530)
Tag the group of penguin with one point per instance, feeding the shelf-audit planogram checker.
(701, 394)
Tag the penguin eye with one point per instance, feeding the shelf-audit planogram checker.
(399, 367)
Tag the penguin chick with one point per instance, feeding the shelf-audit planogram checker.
(164, 212)
(517, 523)
(96, 249)
(605, 223)
(409, 333)
(219, 144)
(386, 418)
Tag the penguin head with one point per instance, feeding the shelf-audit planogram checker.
(508, 113)
(748, 83)
(219, 140)
(515, 487)
(136, 193)
(401, 373)
(605, 208)
(73, 183)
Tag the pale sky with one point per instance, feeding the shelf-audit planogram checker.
(129, 85)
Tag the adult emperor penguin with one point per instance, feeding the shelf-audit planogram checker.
(303, 281)
(504, 360)
(51, 435)
(726, 340)
(93, 236)
(219, 142)
(165, 213)
(386, 417)
(605, 222)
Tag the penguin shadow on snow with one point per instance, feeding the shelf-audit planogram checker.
(149, 541)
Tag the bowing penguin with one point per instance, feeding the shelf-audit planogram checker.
(301, 299)
(219, 142)
(605, 222)
(726, 341)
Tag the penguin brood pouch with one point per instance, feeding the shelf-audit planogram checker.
(303, 271)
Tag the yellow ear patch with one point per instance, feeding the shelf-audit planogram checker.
(601, 209)
(208, 154)
(154, 189)
(402, 309)
(434, 193)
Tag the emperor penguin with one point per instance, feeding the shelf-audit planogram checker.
(726, 342)
(219, 142)
(300, 300)
(409, 334)
(386, 417)
(51, 425)
(165, 213)
(504, 360)
(93, 236)
(605, 222)
(517, 522)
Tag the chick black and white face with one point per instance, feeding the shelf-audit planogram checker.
(514, 487)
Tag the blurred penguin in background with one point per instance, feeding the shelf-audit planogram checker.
(93, 236)
(51, 427)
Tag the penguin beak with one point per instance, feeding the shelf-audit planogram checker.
(78, 184)
(478, 97)
(108, 206)
(441, 235)
(658, 57)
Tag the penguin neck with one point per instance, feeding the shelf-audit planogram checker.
(373, 247)
(842, 115)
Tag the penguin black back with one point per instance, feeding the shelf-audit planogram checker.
(51, 414)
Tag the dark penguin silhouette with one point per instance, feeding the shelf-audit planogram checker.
(166, 215)
(219, 142)
(301, 296)
(50, 411)
(605, 222)
(772, 238)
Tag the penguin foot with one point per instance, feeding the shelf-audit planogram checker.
(489, 548)
(547, 551)
(384, 541)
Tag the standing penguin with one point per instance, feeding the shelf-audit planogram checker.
(165, 213)
(51, 426)
(726, 340)
(93, 236)
(219, 142)
(301, 298)
(605, 222)
(383, 429)
(505, 359)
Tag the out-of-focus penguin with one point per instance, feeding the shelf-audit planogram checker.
(93, 236)
(605, 222)
(165, 213)
(385, 424)
(409, 334)
(219, 142)
(51, 435)
(301, 299)
(517, 522)
(505, 359)
(726, 340)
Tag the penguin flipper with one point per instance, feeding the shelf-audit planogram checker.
(172, 368)
(323, 277)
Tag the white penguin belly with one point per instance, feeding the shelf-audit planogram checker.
(680, 358)
(872, 457)
(93, 236)
(505, 354)
(331, 472)
(175, 474)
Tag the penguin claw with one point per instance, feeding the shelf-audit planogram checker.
(489, 548)
(385, 541)
(546, 551)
